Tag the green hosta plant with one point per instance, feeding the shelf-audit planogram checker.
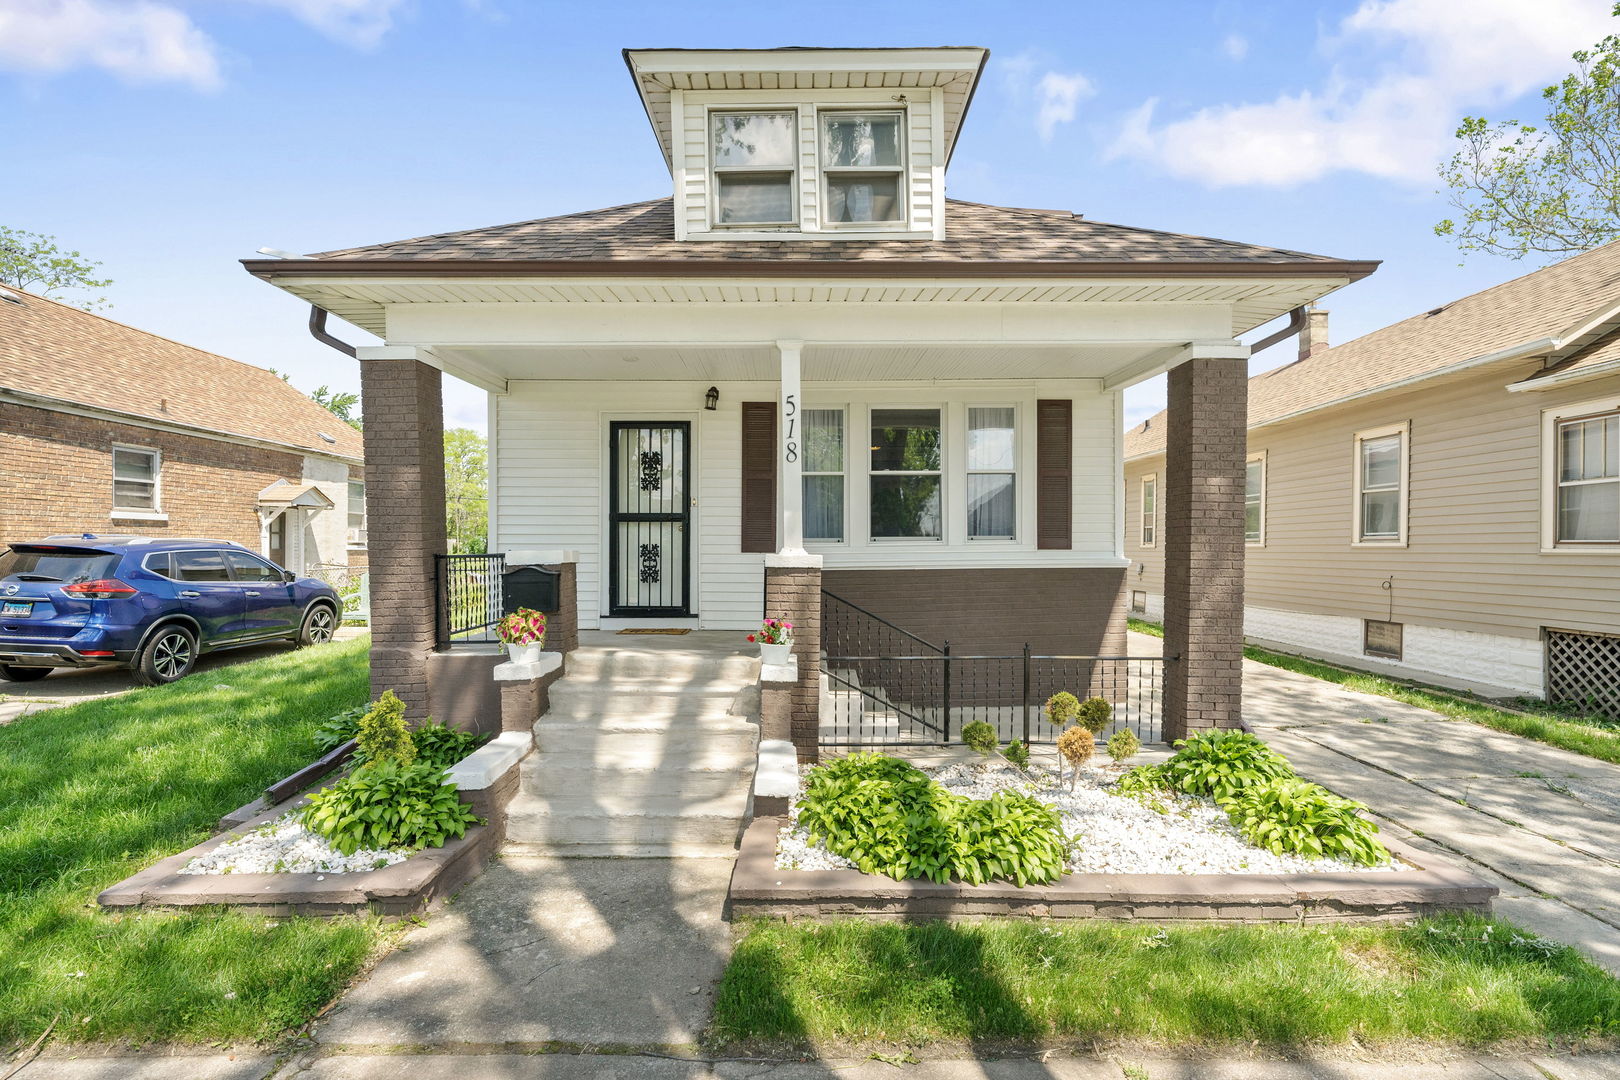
(1220, 764)
(980, 736)
(388, 804)
(888, 817)
(333, 733)
(1297, 817)
(1147, 785)
(442, 746)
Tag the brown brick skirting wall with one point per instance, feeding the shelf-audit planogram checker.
(1203, 545)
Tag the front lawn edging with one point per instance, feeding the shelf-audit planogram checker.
(486, 780)
(758, 888)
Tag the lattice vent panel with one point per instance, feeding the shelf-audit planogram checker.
(1583, 670)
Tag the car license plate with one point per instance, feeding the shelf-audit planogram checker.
(20, 609)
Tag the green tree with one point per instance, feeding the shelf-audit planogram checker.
(1551, 190)
(340, 404)
(33, 261)
(466, 491)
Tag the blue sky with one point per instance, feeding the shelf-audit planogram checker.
(170, 138)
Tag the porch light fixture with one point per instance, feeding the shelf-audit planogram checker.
(711, 400)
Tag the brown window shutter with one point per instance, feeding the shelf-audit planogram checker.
(1054, 464)
(759, 476)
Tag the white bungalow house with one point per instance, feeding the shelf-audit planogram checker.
(805, 369)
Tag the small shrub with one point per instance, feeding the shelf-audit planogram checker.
(888, 817)
(1017, 753)
(383, 735)
(1077, 745)
(980, 736)
(1220, 764)
(1062, 708)
(1095, 714)
(441, 746)
(388, 804)
(1298, 817)
(1123, 744)
(333, 733)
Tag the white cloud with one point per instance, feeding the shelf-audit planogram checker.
(1387, 110)
(139, 42)
(361, 23)
(1059, 95)
(1235, 46)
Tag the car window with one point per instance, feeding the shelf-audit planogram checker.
(56, 566)
(200, 566)
(160, 564)
(245, 567)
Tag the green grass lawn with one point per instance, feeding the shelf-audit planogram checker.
(94, 792)
(1445, 981)
(1594, 738)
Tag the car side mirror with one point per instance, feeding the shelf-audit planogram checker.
(288, 576)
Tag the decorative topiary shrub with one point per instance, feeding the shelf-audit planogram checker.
(1062, 708)
(1219, 764)
(1298, 817)
(1095, 713)
(1123, 744)
(382, 733)
(888, 817)
(1077, 745)
(388, 804)
(1017, 753)
(980, 736)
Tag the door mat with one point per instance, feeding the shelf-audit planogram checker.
(657, 630)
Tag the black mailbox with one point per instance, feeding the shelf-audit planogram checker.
(531, 587)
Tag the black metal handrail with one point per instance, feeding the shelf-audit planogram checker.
(878, 619)
(467, 598)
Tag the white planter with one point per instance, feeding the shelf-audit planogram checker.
(776, 654)
(525, 654)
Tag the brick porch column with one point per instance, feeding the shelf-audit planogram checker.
(403, 406)
(793, 592)
(1203, 544)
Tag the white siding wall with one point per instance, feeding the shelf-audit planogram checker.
(549, 452)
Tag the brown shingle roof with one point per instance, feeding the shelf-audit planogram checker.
(57, 351)
(1542, 304)
(975, 232)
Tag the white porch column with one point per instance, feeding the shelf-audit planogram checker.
(791, 434)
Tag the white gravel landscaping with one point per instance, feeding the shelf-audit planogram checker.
(1114, 834)
(284, 846)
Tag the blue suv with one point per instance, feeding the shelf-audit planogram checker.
(152, 605)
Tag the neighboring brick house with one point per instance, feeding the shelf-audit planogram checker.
(108, 429)
(1438, 499)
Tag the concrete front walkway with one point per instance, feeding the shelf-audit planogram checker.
(1540, 823)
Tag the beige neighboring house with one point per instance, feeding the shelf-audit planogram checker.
(1439, 499)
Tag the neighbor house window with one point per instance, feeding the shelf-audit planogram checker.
(824, 458)
(1150, 510)
(753, 155)
(905, 481)
(1380, 508)
(1588, 509)
(862, 174)
(992, 474)
(136, 471)
(1254, 501)
(357, 511)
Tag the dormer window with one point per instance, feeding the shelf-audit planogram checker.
(861, 166)
(753, 155)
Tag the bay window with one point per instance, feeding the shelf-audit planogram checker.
(905, 474)
(1588, 508)
(753, 156)
(824, 458)
(862, 171)
(992, 503)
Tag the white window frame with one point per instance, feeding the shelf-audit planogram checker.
(1016, 472)
(1147, 521)
(1260, 538)
(844, 472)
(1404, 430)
(943, 472)
(1551, 419)
(716, 171)
(901, 171)
(356, 537)
(143, 513)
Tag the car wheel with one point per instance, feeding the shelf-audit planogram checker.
(319, 625)
(167, 656)
(13, 673)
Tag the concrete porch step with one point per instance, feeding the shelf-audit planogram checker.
(607, 703)
(672, 667)
(645, 737)
(643, 821)
(675, 777)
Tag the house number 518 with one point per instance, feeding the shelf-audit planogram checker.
(790, 444)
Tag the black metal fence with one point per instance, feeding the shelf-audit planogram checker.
(468, 601)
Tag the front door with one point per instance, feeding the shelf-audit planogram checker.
(649, 535)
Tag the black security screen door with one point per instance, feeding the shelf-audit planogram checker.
(649, 539)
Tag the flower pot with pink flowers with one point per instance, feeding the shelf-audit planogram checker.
(775, 640)
(523, 632)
